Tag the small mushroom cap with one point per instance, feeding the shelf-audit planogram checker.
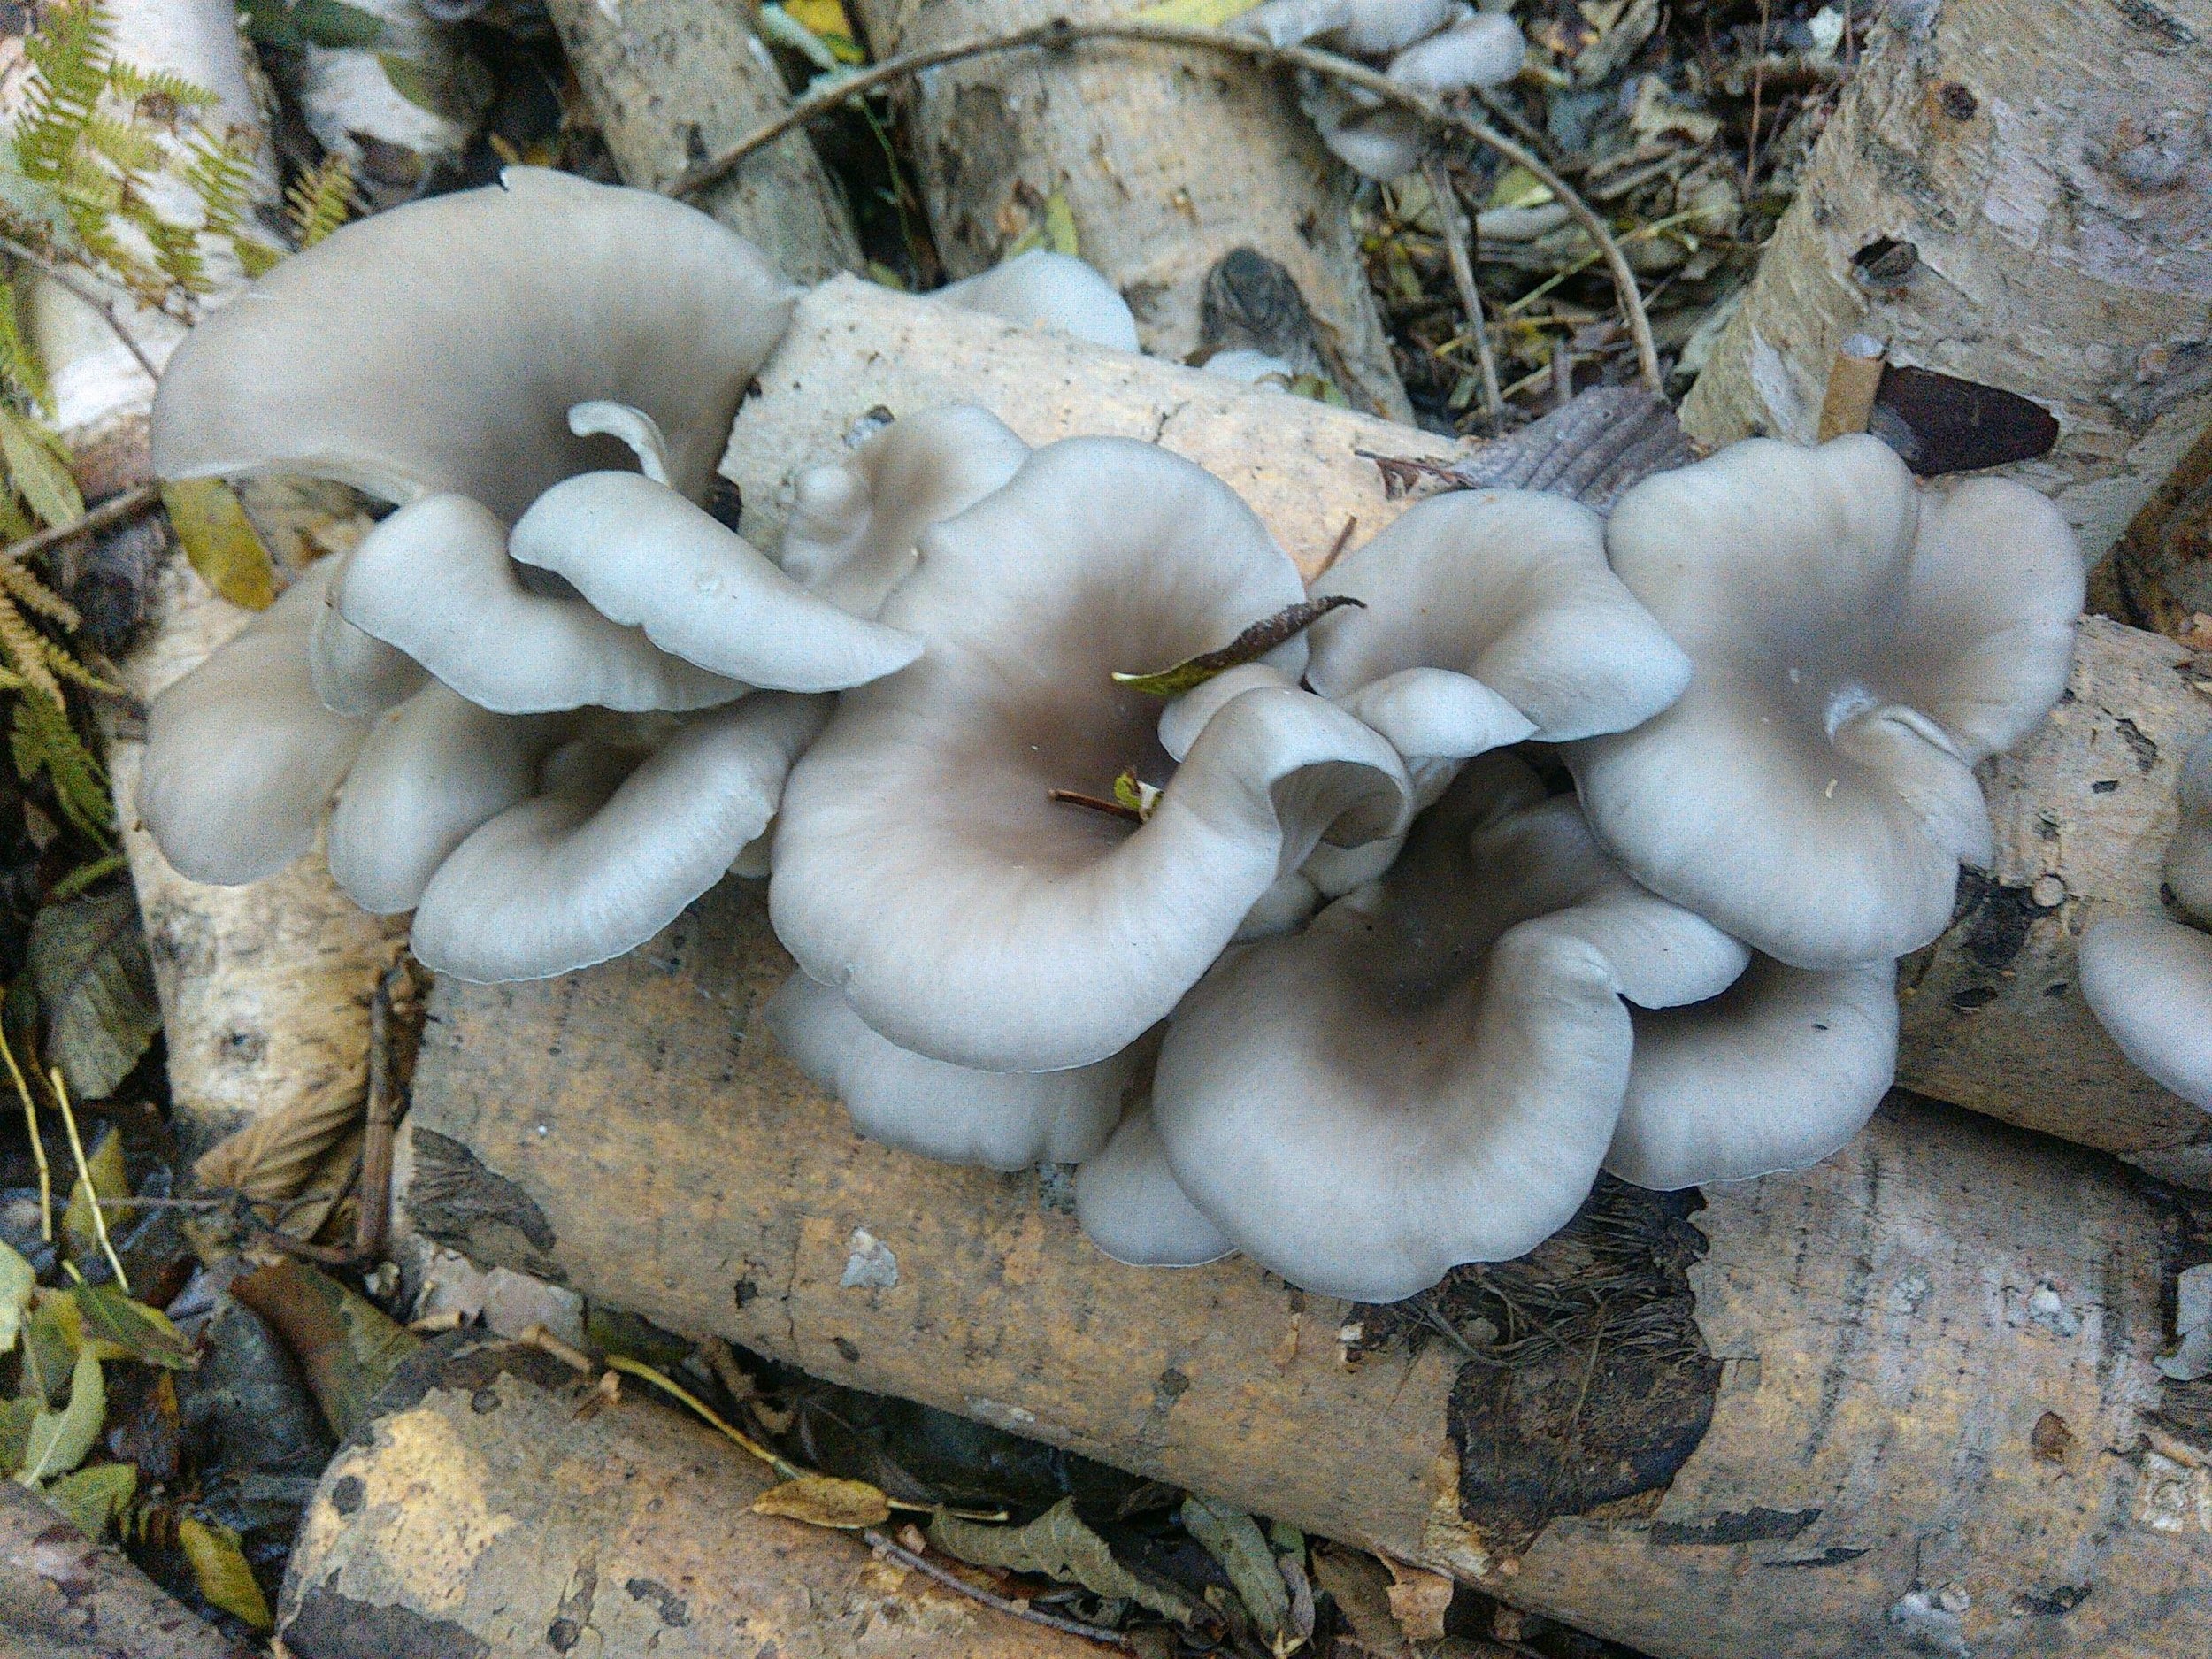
(1433, 713)
(1129, 1207)
(1774, 1073)
(1249, 367)
(856, 525)
(1369, 28)
(1480, 49)
(2189, 857)
(1375, 140)
(1507, 588)
(437, 348)
(920, 861)
(1054, 291)
(2149, 979)
(999, 1120)
(355, 673)
(592, 866)
(646, 558)
(429, 774)
(434, 580)
(1859, 643)
(241, 757)
(1432, 1071)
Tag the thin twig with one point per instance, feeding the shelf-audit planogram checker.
(1452, 223)
(84, 1174)
(38, 1147)
(783, 1466)
(89, 292)
(373, 1204)
(883, 1547)
(1758, 89)
(128, 504)
(1060, 34)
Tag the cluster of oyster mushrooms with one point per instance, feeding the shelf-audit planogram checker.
(1554, 843)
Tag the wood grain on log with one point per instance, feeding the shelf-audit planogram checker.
(673, 81)
(1168, 163)
(2084, 809)
(1873, 1341)
(480, 1514)
(2017, 193)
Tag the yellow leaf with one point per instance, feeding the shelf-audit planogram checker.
(220, 1567)
(93, 1497)
(221, 542)
(827, 22)
(1195, 14)
(59, 1439)
(1517, 186)
(826, 1501)
(106, 1164)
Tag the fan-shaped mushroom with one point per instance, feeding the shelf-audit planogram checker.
(923, 865)
(1057, 291)
(1859, 642)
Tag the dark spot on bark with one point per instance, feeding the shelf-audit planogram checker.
(246, 1047)
(978, 159)
(329, 1625)
(1973, 997)
(1601, 1399)
(2145, 751)
(674, 1609)
(745, 1291)
(2054, 1602)
(1834, 1555)
(1251, 302)
(1886, 265)
(2104, 786)
(1755, 1525)
(347, 1494)
(768, 1650)
(850, 1354)
(726, 503)
(1171, 1387)
(694, 143)
(563, 1634)
(457, 1200)
(1996, 918)
(484, 1402)
(2057, 987)
(2156, 20)
(1958, 102)
(574, 1617)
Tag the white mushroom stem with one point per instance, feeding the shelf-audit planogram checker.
(2149, 979)
(434, 580)
(588, 872)
(241, 757)
(645, 557)
(1000, 1120)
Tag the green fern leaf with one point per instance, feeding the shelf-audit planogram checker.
(42, 739)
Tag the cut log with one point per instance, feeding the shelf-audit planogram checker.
(481, 1512)
(672, 83)
(1768, 1451)
(1168, 163)
(2020, 195)
(62, 1596)
(2084, 810)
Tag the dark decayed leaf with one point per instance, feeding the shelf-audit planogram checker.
(1056, 1545)
(95, 987)
(1938, 423)
(346, 1345)
(1248, 647)
(1233, 1538)
(93, 1497)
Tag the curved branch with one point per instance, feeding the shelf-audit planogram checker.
(1061, 34)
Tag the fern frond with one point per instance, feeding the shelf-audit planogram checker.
(26, 650)
(138, 85)
(34, 594)
(319, 201)
(42, 739)
(19, 366)
(67, 667)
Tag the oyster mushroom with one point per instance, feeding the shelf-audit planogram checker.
(1859, 641)
(1431, 1072)
(1054, 291)
(1000, 1120)
(922, 864)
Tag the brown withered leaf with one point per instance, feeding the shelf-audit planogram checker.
(1939, 423)
(1248, 647)
(827, 1500)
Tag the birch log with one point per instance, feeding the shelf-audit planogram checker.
(674, 82)
(263, 989)
(1167, 162)
(2083, 811)
(1772, 1452)
(2018, 194)
(480, 1512)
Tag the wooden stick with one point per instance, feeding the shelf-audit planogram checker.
(1452, 224)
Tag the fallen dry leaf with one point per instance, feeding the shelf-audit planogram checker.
(827, 1500)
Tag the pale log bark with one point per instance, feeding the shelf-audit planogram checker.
(674, 82)
(2051, 169)
(2086, 807)
(481, 1514)
(1167, 162)
(1847, 1409)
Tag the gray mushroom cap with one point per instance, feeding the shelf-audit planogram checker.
(2149, 979)
(1509, 589)
(1128, 1204)
(612, 848)
(1859, 643)
(437, 349)
(2189, 855)
(921, 864)
(999, 1120)
(856, 522)
(1431, 1072)
(241, 757)
(1054, 291)
(1775, 1073)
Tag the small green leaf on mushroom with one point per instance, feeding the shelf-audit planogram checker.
(1248, 647)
